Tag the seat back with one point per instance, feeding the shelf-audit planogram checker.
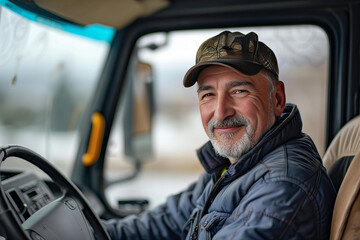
(346, 215)
(342, 160)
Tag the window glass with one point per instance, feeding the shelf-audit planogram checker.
(176, 130)
(47, 77)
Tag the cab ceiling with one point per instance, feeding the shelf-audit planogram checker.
(114, 13)
(120, 13)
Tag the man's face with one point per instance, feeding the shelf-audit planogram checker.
(236, 109)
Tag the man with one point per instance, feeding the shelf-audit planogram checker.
(263, 177)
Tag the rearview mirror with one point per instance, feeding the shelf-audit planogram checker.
(138, 114)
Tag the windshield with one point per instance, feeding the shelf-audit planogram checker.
(47, 77)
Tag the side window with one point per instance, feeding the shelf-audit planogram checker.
(165, 158)
(47, 77)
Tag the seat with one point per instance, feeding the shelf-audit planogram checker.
(342, 161)
(346, 143)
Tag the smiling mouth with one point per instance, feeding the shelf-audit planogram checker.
(228, 129)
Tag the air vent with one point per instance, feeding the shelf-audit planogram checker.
(19, 205)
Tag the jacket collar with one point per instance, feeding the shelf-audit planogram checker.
(287, 126)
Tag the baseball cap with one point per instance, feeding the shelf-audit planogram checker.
(243, 53)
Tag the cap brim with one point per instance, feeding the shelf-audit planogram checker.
(244, 67)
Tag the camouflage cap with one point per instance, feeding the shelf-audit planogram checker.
(243, 53)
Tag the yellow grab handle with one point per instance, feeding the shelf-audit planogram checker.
(96, 136)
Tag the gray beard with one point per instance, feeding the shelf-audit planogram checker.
(237, 149)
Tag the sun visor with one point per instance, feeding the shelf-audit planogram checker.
(113, 13)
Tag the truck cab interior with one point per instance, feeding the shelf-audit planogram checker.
(96, 124)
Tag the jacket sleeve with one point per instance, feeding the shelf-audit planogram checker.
(163, 222)
(273, 210)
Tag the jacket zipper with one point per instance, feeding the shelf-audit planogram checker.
(212, 194)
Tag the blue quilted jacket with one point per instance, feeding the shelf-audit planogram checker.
(278, 190)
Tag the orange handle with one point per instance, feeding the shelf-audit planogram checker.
(96, 137)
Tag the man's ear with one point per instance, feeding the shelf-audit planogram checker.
(279, 98)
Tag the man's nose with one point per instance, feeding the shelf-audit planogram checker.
(224, 107)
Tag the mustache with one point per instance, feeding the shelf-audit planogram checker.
(233, 121)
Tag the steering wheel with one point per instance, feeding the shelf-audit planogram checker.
(68, 217)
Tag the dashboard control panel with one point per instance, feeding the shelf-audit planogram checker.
(26, 192)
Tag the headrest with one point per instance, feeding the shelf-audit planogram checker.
(345, 143)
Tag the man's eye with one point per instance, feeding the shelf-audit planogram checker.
(207, 95)
(240, 91)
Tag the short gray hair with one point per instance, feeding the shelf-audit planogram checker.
(273, 80)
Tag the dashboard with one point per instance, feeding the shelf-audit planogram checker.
(43, 204)
(26, 192)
